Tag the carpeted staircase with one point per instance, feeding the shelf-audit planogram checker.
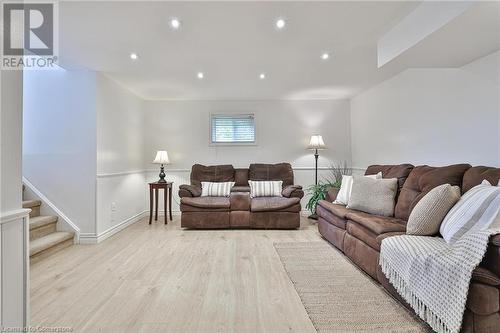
(44, 237)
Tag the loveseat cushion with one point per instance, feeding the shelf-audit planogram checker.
(204, 204)
(376, 224)
(421, 180)
(335, 209)
(271, 204)
(280, 171)
(189, 191)
(475, 175)
(215, 173)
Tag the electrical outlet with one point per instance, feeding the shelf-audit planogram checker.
(113, 207)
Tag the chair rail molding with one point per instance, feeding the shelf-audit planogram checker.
(130, 172)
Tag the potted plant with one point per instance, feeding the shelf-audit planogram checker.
(318, 192)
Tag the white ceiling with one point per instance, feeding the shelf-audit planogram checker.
(233, 42)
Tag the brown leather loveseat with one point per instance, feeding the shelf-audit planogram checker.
(359, 235)
(239, 210)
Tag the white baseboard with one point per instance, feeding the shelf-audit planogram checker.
(94, 239)
(65, 220)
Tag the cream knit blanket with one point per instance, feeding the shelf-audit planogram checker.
(433, 276)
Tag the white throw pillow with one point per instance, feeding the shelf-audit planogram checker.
(219, 189)
(346, 188)
(478, 208)
(428, 214)
(265, 188)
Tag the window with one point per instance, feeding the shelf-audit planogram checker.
(232, 129)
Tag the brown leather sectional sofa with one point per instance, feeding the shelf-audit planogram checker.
(239, 210)
(359, 234)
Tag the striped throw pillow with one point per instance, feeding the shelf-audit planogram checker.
(221, 189)
(266, 188)
(478, 208)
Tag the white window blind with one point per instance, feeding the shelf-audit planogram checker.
(238, 128)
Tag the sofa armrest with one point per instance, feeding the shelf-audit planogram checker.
(491, 260)
(292, 191)
(331, 194)
(189, 191)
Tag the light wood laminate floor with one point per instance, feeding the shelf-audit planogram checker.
(165, 279)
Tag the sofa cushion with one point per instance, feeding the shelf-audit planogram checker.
(375, 196)
(381, 237)
(329, 217)
(485, 276)
(421, 180)
(205, 204)
(215, 173)
(475, 175)
(363, 234)
(265, 188)
(335, 209)
(216, 189)
(400, 172)
(428, 214)
(377, 224)
(271, 204)
(346, 188)
(280, 171)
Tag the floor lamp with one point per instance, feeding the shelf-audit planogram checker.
(316, 143)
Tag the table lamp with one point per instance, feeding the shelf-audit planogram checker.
(161, 158)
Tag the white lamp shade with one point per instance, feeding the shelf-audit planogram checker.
(161, 157)
(316, 142)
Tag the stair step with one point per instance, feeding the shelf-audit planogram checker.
(31, 203)
(34, 205)
(50, 243)
(41, 226)
(41, 221)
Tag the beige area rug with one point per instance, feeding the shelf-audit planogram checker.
(338, 296)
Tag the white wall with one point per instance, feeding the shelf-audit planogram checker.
(11, 139)
(430, 116)
(283, 132)
(59, 147)
(14, 293)
(121, 182)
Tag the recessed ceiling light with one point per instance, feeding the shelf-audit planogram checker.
(280, 23)
(262, 76)
(325, 56)
(134, 56)
(175, 23)
(200, 75)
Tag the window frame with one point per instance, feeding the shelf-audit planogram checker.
(231, 114)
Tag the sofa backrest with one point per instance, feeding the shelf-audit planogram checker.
(475, 175)
(214, 173)
(280, 171)
(400, 171)
(421, 180)
(241, 177)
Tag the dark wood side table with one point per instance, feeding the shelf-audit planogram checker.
(155, 187)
